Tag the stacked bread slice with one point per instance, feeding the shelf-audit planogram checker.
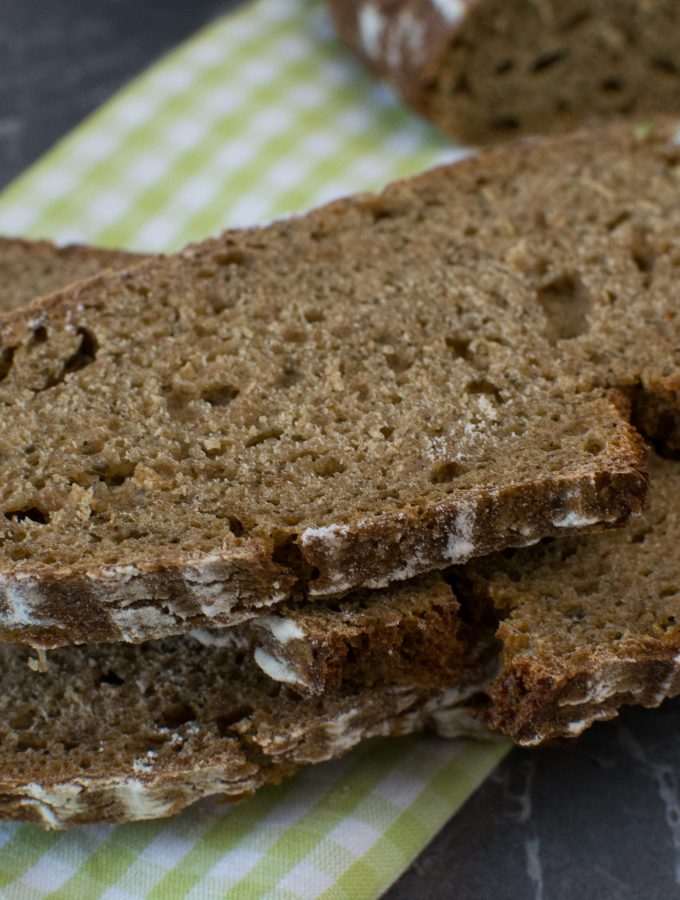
(275, 485)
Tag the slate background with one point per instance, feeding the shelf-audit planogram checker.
(596, 819)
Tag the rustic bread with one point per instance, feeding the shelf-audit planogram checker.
(410, 633)
(166, 422)
(585, 625)
(31, 269)
(484, 70)
(121, 732)
(579, 627)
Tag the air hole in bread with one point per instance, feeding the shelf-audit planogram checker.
(230, 258)
(666, 66)
(594, 446)
(566, 305)
(326, 468)
(235, 526)
(111, 678)
(502, 68)
(483, 386)
(548, 60)
(611, 85)
(400, 361)
(459, 346)
(178, 714)
(225, 724)
(220, 394)
(32, 513)
(504, 123)
(445, 472)
(270, 434)
(84, 355)
(6, 358)
(39, 335)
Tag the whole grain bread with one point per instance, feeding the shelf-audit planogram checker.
(427, 402)
(484, 70)
(585, 625)
(120, 732)
(411, 633)
(31, 269)
(578, 627)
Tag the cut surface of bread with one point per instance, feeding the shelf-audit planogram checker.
(341, 400)
(121, 732)
(486, 70)
(30, 269)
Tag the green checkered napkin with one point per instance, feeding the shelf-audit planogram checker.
(262, 114)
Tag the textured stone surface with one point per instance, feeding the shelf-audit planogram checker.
(599, 818)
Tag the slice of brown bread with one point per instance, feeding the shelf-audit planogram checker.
(335, 401)
(121, 732)
(410, 633)
(484, 70)
(586, 625)
(31, 269)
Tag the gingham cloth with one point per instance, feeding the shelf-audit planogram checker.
(262, 114)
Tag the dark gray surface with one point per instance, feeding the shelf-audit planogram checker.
(60, 60)
(598, 819)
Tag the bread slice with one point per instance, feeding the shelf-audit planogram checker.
(586, 625)
(411, 633)
(31, 269)
(332, 402)
(121, 732)
(484, 70)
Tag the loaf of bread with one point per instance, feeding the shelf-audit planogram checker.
(341, 400)
(486, 70)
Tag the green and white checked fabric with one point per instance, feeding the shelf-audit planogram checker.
(261, 115)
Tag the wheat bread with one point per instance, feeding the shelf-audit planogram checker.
(411, 633)
(122, 732)
(166, 422)
(31, 269)
(578, 627)
(486, 70)
(117, 732)
(585, 625)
